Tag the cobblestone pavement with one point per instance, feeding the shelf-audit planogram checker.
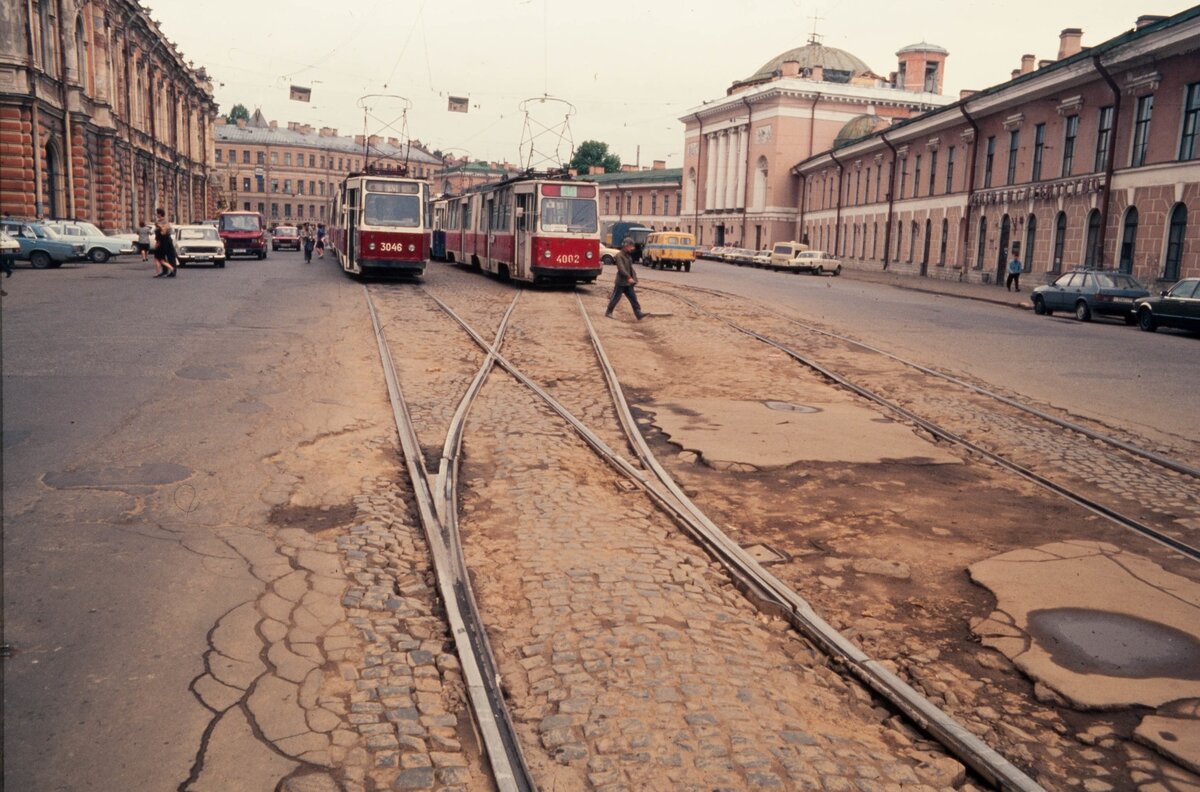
(1170, 500)
(630, 661)
(880, 550)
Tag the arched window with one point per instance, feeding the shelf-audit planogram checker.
(982, 242)
(1128, 239)
(1030, 241)
(49, 38)
(1091, 246)
(759, 194)
(81, 60)
(1175, 242)
(1060, 239)
(945, 239)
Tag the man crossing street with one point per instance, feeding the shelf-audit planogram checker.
(625, 281)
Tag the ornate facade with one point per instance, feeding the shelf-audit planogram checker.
(101, 118)
(1088, 159)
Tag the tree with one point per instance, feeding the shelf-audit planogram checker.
(593, 152)
(238, 111)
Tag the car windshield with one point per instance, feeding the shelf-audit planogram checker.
(46, 232)
(239, 223)
(575, 215)
(87, 229)
(1111, 280)
(1184, 288)
(385, 209)
(198, 233)
(285, 231)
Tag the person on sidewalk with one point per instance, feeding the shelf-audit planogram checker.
(625, 281)
(165, 262)
(1014, 274)
(307, 240)
(144, 232)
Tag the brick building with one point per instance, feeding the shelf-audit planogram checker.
(101, 118)
(652, 198)
(1089, 158)
(291, 174)
(739, 149)
(457, 176)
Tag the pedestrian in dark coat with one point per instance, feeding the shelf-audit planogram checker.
(625, 281)
(164, 246)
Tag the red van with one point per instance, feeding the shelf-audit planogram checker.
(243, 233)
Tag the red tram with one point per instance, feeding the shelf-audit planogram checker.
(380, 224)
(530, 228)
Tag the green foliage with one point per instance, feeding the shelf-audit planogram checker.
(593, 152)
(238, 111)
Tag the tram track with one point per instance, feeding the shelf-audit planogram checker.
(1173, 542)
(766, 591)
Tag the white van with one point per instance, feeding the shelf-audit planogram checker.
(784, 252)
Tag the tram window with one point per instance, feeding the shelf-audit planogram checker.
(568, 214)
(392, 210)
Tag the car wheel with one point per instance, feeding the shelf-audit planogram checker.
(1039, 306)
(1145, 320)
(837, 271)
(687, 267)
(98, 255)
(818, 270)
(40, 259)
(603, 260)
(220, 265)
(1082, 312)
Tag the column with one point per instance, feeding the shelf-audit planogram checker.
(739, 196)
(710, 173)
(722, 169)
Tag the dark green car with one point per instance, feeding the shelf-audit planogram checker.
(1178, 306)
(1088, 293)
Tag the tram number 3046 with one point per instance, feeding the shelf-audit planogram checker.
(392, 247)
(567, 258)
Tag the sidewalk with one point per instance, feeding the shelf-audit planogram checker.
(953, 288)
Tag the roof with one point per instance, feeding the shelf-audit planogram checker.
(1087, 53)
(831, 59)
(635, 177)
(257, 134)
(923, 46)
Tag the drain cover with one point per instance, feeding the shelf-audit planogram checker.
(789, 407)
(764, 555)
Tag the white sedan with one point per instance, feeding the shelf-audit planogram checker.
(195, 243)
(818, 262)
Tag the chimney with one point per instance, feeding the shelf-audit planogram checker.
(274, 125)
(374, 140)
(241, 122)
(1044, 63)
(572, 172)
(595, 169)
(966, 93)
(659, 165)
(1015, 74)
(359, 140)
(393, 142)
(791, 68)
(1145, 20)
(219, 121)
(306, 129)
(292, 125)
(817, 73)
(1027, 62)
(328, 132)
(1070, 42)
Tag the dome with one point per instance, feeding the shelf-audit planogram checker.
(924, 46)
(839, 65)
(858, 127)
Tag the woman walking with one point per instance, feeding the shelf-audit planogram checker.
(320, 240)
(164, 247)
(306, 239)
(143, 241)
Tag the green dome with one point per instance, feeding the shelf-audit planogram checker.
(858, 127)
(839, 65)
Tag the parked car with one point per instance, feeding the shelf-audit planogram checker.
(285, 237)
(762, 258)
(608, 255)
(99, 246)
(1178, 306)
(9, 248)
(1090, 292)
(817, 262)
(196, 243)
(42, 246)
(741, 256)
(783, 252)
(243, 234)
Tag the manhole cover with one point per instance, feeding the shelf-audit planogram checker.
(625, 485)
(789, 407)
(764, 555)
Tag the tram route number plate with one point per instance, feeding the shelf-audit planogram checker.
(392, 247)
(567, 258)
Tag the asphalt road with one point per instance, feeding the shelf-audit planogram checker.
(140, 416)
(1103, 370)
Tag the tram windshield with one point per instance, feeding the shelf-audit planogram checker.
(575, 215)
(401, 211)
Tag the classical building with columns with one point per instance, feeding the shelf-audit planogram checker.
(1090, 158)
(737, 181)
(101, 118)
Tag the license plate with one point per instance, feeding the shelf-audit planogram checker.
(239, 250)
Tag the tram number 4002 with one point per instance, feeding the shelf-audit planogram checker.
(567, 258)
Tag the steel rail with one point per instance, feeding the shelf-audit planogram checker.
(480, 675)
(1095, 507)
(773, 594)
(1151, 456)
(948, 732)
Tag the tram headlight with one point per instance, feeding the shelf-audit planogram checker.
(546, 254)
(411, 248)
(589, 255)
(371, 246)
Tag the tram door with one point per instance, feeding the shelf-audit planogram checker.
(525, 221)
(352, 227)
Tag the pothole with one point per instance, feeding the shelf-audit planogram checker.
(1115, 644)
(313, 519)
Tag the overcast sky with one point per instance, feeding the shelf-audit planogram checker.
(629, 68)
